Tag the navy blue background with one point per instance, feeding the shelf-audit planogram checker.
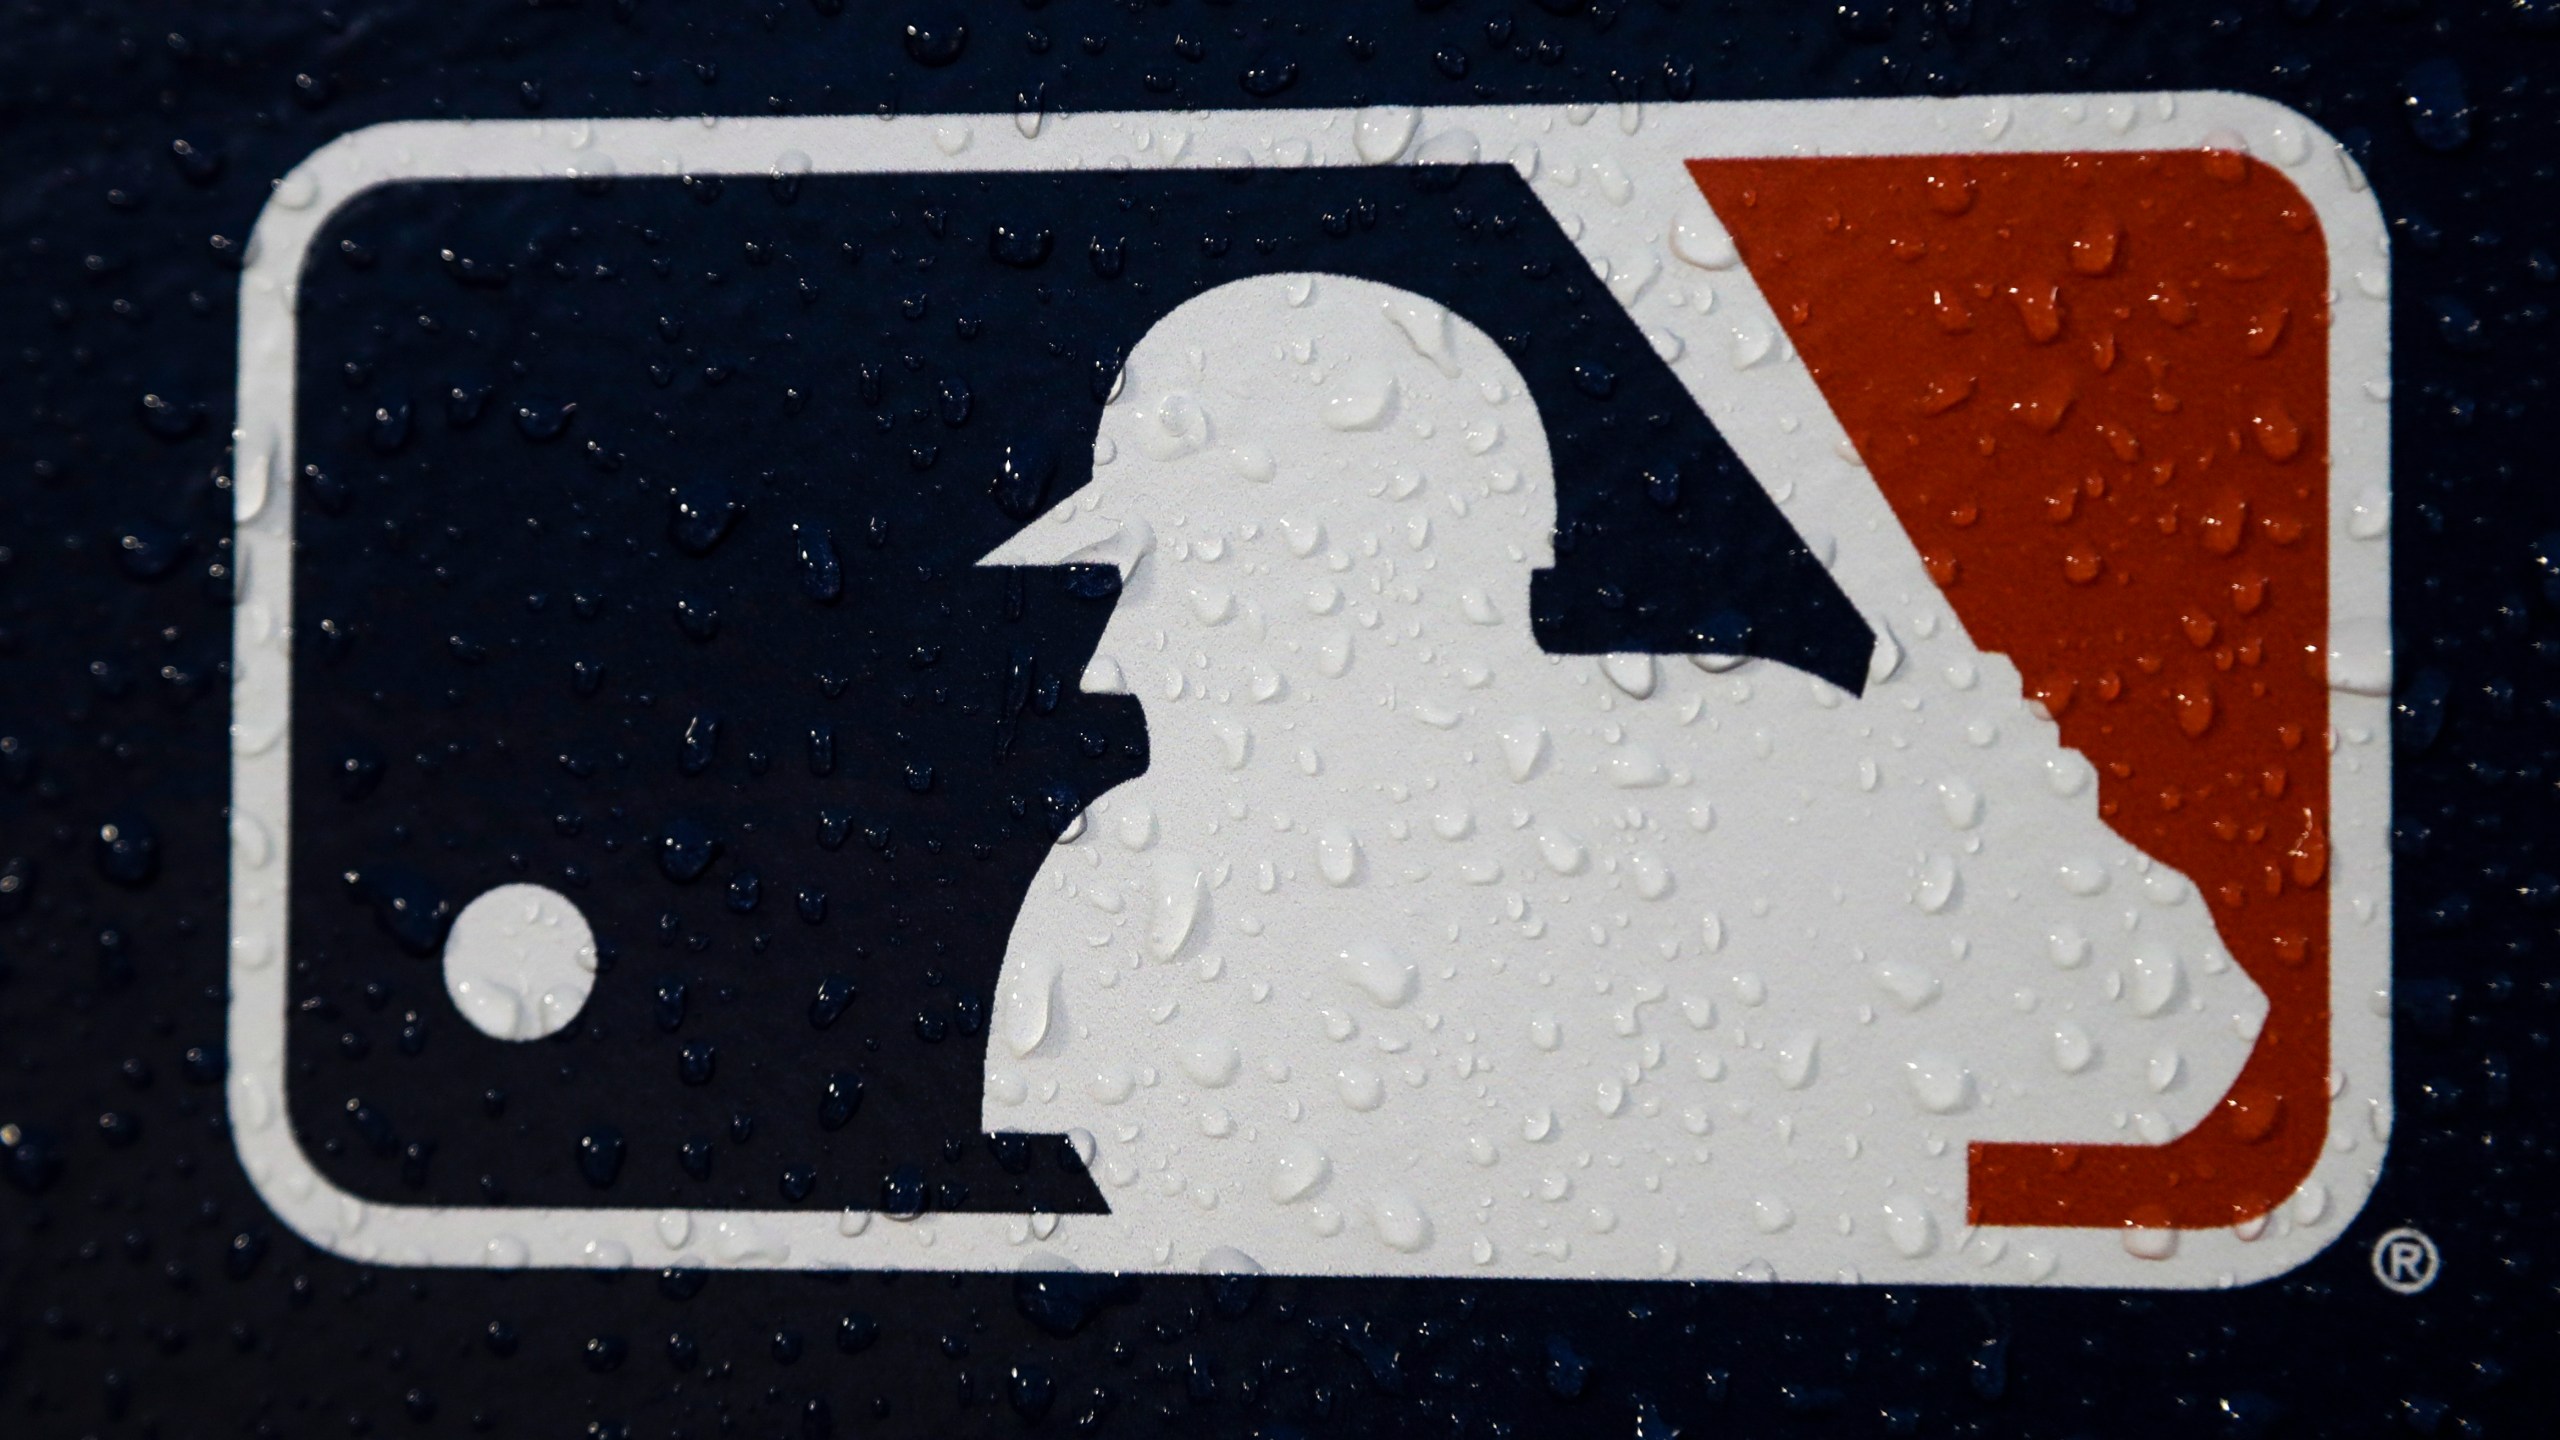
(636, 535)
(144, 1290)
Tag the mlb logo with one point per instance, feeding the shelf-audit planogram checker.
(1697, 691)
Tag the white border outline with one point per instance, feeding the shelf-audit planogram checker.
(507, 1237)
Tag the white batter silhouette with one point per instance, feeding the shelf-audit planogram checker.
(1417, 949)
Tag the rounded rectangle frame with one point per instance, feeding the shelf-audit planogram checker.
(2359, 863)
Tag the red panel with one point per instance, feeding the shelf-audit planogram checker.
(2094, 388)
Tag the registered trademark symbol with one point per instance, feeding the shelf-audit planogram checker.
(2405, 1261)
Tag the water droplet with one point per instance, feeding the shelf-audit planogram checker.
(2437, 104)
(2081, 875)
(2359, 655)
(1021, 484)
(1401, 1221)
(1563, 853)
(2068, 947)
(1381, 973)
(1180, 428)
(685, 850)
(1636, 674)
(1942, 1086)
(1911, 986)
(1027, 1000)
(1181, 889)
(1300, 1169)
(1337, 854)
(1102, 676)
(1137, 827)
(1254, 463)
(1524, 745)
(1449, 147)
(1360, 1087)
(1214, 604)
(1798, 1058)
(1212, 1060)
(1910, 1227)
(2163, 1070)
(1111, 1085)
(1752, 343)
(2150, 1243)
(2094, 249)
(2159, 981)
(2371, 517)
(1425, 326)
(599, 1154)
(938, 39)
(1699, 238)
(1333, 654)
(821, 573)
(1652, 877)
(1358, 398)
(1960, 802)
(1381, 132)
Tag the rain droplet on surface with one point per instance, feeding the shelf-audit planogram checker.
(1361, 1087)
(1027, 1002)
(1798, 1059)
(1701, 239)
(1337, 854)
(1909, 1226)
(1524, 745)
(1380, 972)
(2159, 981)
(1425, 326)
(1636, 674)
(2073, 1049)
(1181, 889)
(1358, 398)
(1212, 1060)
(1942, 1086)
(1300, 1169)
(1401, 1222)
(1911, 986)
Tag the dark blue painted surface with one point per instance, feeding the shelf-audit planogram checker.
(143, 1290)
(644, 568)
